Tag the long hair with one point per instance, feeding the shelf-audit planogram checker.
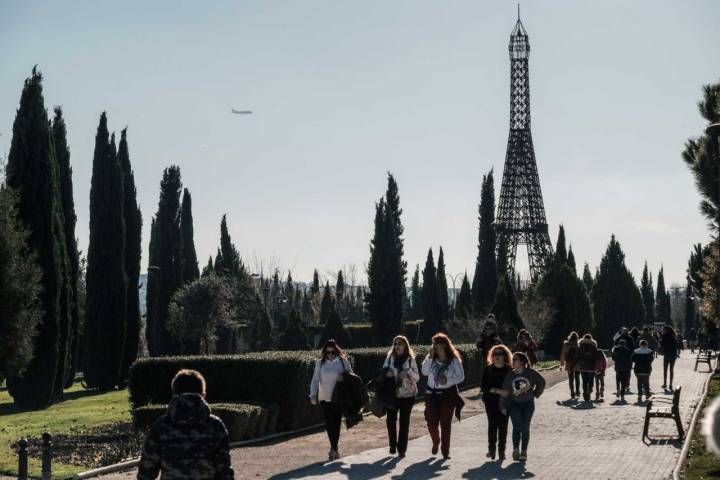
(332, 343)
(669, 330)
(408, 348)
(523, 333)
(442, 339)
(572, 336)
(502, 348)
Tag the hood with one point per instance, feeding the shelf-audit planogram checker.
(570, 342)
(643, 350)
(588, 341)
(188, 408)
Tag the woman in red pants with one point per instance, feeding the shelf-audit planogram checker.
(443, 367)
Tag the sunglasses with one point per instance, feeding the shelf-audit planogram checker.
(499, 355)
(330, 352)
(398, 344)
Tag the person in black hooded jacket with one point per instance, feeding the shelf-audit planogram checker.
(586, 359)
(493, 377)
(622, 358)
(669, 346)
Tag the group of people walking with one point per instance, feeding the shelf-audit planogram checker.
(509, 388)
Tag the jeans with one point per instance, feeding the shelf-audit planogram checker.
(497, 427)
(333, 419)
(521, 414)
(574, 378)
(587, 383)
(643, 384)
(600, 384)
(622, 381)
(404, 407)
(668, 361)
(438, 414)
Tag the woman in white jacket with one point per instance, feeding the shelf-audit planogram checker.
(329, 370)
(401, 366)
(443, 367)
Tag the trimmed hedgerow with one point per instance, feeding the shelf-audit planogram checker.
(412, 330)
(361, 335)
(267, 378)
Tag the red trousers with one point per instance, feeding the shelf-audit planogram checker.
(438, 414)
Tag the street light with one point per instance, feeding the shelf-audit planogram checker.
(453, 279)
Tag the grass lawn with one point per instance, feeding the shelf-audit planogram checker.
(703, 464)
(81, 410)
(546, 364)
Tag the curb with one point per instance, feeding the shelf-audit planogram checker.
(691, 430)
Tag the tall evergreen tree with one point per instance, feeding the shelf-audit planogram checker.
(209, 268)
(587, 278)
(191, 271)
(432, 318)
(133, 253)
(502, 256)
(415, 295)
(506, 311)
(106, 302)
(443, 287)
(561, 254)
(463, 304)
(315, 288)
(571, 260)
(231, 264)
(662, 302)
(326, 305)
(616, 298)
(648, 296)
(690, 323)
(340, 286)
(62, 154)
(294, 337)
(387, 268)
(289, 288)
(487, 268)
(152, 319)
(334, 329)
(263, 332)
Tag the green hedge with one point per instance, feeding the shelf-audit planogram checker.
(412, 330)
(361, 335)
(268, 378)
(243, 421)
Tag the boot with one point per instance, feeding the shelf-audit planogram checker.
(491, 453)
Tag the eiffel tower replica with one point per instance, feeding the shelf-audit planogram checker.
(520, 216)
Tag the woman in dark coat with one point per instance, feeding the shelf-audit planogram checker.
(586, 358)
(498, 366)
(668, 343)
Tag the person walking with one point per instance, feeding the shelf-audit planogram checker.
(527, 345)
(600, 367)
(642, 359)
(624, 334)
(586, 359)
(622, 358)
(188, 442)
(669, 345)
(444, 369)
(493, 377)
(401, 366)
(568, 359)
(521, 387)
(635, 334)
(329, 370)
(680, 342)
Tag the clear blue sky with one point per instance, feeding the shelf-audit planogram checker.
(345, 91)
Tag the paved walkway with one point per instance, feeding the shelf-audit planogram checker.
(602, 442)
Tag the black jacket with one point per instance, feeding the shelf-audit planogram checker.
(492, 377)
(622, 356)
(384, 398)
(629, 341)
(350, 396)
(669, 345)
(642, 359)
(586, 356)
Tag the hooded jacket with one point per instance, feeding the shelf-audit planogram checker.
(187, 443)
(642, 359)
(622, 356)
(586, 356)
(568, 355)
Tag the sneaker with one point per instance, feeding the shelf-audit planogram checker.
(490, 454)
(333, 455)
(663, 386)
(671, 387)
(393, 450)
(446, 456)
(516, 455)
(501, 455)
(523, 457)
(401, 454)
(435, 448)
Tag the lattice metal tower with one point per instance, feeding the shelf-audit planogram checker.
(520, 217)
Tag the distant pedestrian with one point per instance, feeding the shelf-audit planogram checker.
(498, 366)
(655, 345)
(527, 345)
(488, 337)
(444, 369)
(568, 359)
(600, 367)
(622, 359)
(188, 442)
(670, 353)
(521, 387)
(642, 359)
(680, 342)
(329, 370)
(635, 334)
(586, 360)
(402, 367)
(624, 334)
(650, 339)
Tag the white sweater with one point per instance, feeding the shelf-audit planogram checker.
(325, 377)
(454, 373)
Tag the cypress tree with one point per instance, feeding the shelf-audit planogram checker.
(432, 318)
(106, 302)
(230, 263)
(463, 304)
(209, 268)
(587, 278)
(190, 263)
(648, 296)
(662, 301)
(502, 254)
(506, 311)
(32, 171)
(334, 329)
(263, 332)
(690, 315)
(152, 321)
(416, 295)
(326, 305)
(294, 337)
(62, 154)
(571, 260)
(616, 298)
(315, 288)
(561, 254)
(133, 254)
(442, 287)
(340, 286)
(289, 288)
(306, 308)
(487, 266)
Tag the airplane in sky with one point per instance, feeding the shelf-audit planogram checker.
(242, 112)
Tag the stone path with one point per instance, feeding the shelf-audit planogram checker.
(602, 442)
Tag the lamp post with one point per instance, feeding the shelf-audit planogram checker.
(453, 279)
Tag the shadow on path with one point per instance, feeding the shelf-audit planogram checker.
(355, 471)
(495, 470)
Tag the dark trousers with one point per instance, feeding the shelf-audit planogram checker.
(521, 414)
(399, 440)
(622, 381)
(497, 427)
(574, 378)
(587, 384)
(438, 414)
(643, 385)
(600, 384)
(333, 419)
(668, 361)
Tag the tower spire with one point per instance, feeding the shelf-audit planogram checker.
(518, 12)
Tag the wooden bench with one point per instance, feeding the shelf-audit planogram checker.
(668, 408)
(704, 356)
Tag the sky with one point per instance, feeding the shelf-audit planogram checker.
(343, 92)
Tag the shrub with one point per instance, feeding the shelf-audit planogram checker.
(361, 335)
